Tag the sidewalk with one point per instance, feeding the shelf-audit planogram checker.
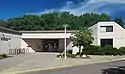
(44, 63)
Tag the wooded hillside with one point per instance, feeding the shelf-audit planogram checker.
(55, 21)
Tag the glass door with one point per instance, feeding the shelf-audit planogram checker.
(50, 45)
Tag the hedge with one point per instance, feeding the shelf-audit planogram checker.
(107, 50)
(122, 51)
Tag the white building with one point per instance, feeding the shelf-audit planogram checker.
(108, 33)
(104, 33)
(51, 41)
(9, 39)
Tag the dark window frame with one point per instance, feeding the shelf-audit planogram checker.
(106, 42)
(107, 28)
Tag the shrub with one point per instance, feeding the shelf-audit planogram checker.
(69, 51)
(67, 54)
(109, 50)
(122, 51)
(92, 50)
(77, 53)
(70, 55)
(97, 50)
(0, 56)
(4, 55)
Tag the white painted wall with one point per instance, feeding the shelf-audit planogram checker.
(29, 42)
(45, 35)
(75, 50)
(118, 34)
(14, 43)
(95, 33)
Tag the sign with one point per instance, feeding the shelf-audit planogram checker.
(3, 38)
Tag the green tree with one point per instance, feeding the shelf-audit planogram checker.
(3, 23)
(104, 17)
(82, 38)
(55, 21)
(119, 21)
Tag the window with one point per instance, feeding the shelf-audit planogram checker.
(105, 42)
(109, 29)
(106, 28)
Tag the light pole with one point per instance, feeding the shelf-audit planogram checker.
(65, 26)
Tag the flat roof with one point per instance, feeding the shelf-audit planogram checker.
(48, 31)
(6, 30)
(60, 31)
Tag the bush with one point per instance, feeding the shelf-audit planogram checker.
(97, 50)
(69, 51)
(70, 55)
(67, 54)
(122, 51)
(0, 56)
(109, 50)
(92, 50)
(4, 55)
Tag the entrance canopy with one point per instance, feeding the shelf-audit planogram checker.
(46, 41)
(45, 34)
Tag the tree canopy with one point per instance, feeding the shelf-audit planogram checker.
(119, 21)
(82, 37)
(54, 21)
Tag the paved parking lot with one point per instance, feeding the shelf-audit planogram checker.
(19, 60)
(45, 61)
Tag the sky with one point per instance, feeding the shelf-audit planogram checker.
(15, 8)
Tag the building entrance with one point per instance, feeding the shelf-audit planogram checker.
(50, 45)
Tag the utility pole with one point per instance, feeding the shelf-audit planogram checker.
(65, 26)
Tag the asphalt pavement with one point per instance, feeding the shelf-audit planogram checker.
(117, 67)
(45, 61)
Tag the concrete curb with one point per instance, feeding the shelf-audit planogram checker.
(38, 69)
(63, 66)
(111, 60)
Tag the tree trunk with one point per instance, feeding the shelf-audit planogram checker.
(80, 50)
